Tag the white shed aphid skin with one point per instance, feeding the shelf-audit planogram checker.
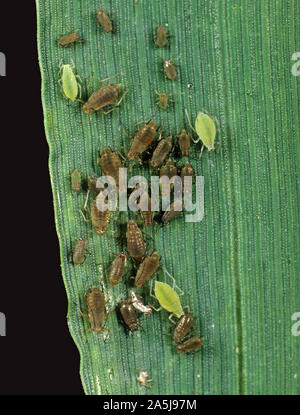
(138, 305)
(142, 378)
(69, 81)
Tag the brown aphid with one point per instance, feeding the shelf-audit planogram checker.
(142, 139)
(170, 70)
(76, 181)
(135, 243)
(102, 97)
(163, 148)
(129, 315)
(147, 214)
(117, 269)
(69, 39)
(184, 140)
(186, 171)
(92, 185)
(169, 169)
(175, 208)
(110, 163)
(95, 304)
(143, 380)
(100, 219)
(183, 326)
(147, 268)
(78, 252)
(104, 20)
(163, 100)
(190, 345)
(161, 38)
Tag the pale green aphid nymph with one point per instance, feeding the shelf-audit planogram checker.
(69, 82)
(168, 298)
(206, 130)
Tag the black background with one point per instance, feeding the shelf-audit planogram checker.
(38, 355)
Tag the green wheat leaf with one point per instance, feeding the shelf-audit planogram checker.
(239, 267)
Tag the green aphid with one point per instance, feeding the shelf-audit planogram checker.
(206, 130)
(168, 298)
(69, 82)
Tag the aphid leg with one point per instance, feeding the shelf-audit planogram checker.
(107, 336)
(86, 200)
(82, 314)
(190, 124)
(147, 235)
(79, 88)
(170, 318)
(83, 215)
(106, 79)
(202, 148)
(125, 132)
(153, 296)
(152, 306)
(144, 121)
(115, 106)
(174, 281)
(122, 97)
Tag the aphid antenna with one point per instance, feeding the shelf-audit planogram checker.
(153, 296)
(190, 124)
(89, 83)
(110, 77)
(83, 215)
(86, 200)
(125, 133)
(174, 281)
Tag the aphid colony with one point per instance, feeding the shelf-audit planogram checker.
(161, 153)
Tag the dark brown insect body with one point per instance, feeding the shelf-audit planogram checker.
(147, 214)
(100, 220)
(146, 269)
(95, 304)
(163, 100)
(78, 253)
(117, 269)
(174, 210)
(170, 70)
(169, 169)
(162, 150)
(102, 97)
(183, 326)
(161, 37)
(104, 20)
(76, 181)
(186, 171)
(142, 139)
(184, 143)
(68, 39)
(190, 345)
(110, 163)
(92, 182)
(129, 315)
(135, 243)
